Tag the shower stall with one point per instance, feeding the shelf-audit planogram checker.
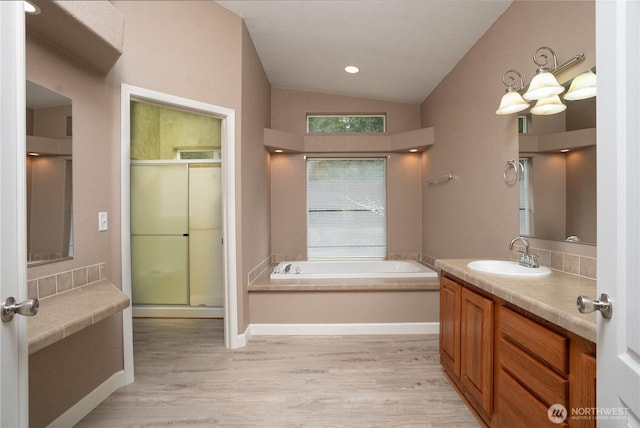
(176, 212)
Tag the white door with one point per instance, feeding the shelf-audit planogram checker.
(618, 69)
(13, 335)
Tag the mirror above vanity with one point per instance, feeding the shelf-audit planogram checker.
(558, 173)
(49, 175)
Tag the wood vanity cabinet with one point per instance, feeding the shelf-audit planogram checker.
(509, 365)
(466, 343)
(532, 371)
(450, 293)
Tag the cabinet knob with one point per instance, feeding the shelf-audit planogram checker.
(587, 305)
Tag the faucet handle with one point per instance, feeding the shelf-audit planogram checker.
(533, 261)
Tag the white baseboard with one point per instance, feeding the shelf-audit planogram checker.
(177, 312)
(342, 329)
(83, 407)
(243, 338)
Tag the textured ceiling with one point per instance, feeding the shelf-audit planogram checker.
(403, 48)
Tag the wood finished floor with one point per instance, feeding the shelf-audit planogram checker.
(185, 377)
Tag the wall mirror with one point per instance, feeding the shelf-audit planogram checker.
(49, 175)
(558, 174)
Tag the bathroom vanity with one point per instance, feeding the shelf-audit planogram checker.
(517, 348)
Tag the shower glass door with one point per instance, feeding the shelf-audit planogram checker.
(205, 235)
(159, 234)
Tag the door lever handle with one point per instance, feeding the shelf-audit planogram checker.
(604, 305)
(27, 308)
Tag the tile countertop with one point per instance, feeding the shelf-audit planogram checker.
(551, 297)
(66, 313)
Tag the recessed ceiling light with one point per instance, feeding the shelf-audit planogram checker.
(564, 150)
(278, 150)
(413, 150)
(31, 8)
(33, 154)
(351, 69)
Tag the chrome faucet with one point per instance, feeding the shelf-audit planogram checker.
(528, 260)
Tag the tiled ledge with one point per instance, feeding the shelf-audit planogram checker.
(61, 282)
(63, 314)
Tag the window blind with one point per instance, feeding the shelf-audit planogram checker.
(526, 197)
(346, 209)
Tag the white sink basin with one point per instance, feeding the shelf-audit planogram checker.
(507, 267)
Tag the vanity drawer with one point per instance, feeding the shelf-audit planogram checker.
(539, 341)
(547, 385)
(518, 408)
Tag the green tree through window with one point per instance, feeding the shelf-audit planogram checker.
(345, 123)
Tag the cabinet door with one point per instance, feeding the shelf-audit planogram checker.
(476, 337)
(450, 293)
(582, 392)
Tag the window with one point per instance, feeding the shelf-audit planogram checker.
(346, 123)
(526, 197)
(346, 205)
(198, 154)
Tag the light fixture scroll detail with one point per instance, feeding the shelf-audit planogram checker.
(512, 101)
(544, 84)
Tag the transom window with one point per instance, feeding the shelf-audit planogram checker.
(346, 209)
(361, 123)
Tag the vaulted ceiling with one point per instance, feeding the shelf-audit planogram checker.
(403, 48)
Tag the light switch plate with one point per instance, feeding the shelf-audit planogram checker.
(103, 221)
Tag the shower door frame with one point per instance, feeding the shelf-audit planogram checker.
(179, 310)
(232, 338)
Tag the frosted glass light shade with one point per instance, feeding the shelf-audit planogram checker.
(582, 87)
(511, 102)
(549, 105)
(543, 85)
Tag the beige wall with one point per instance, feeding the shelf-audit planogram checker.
(70, 369)
(288, 171)
(254, 215)
(549, 195)
(289, 204)
(95, 162)
(581, 194)
(197, 50)
(476, 214)
(289, 110)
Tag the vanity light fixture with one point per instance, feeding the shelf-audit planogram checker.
(548, 105)
(512, 101)
(31, 8)
(582, 87)
(544, 84)
(351, 69)
(544, 87)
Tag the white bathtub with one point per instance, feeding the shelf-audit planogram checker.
(352, 269)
